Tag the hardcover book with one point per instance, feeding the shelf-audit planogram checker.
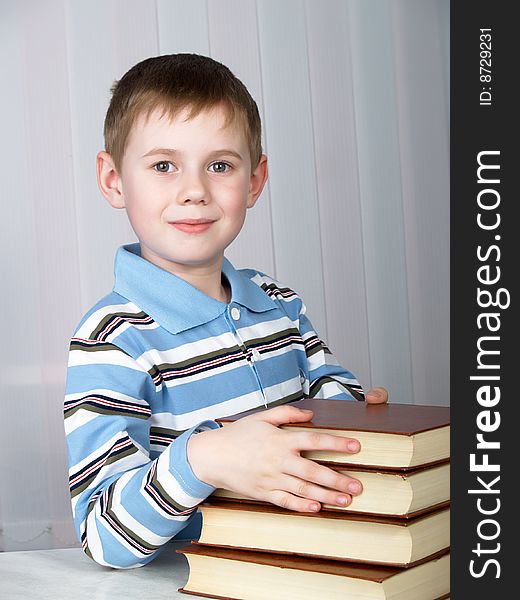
(402, 494)
(327, 534)
(239, 575)
(392, 436)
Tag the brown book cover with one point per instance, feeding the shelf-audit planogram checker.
(338, 510)
(332, 514)
(443, 597)
(392, 436)
(401, 419)
(184, 591)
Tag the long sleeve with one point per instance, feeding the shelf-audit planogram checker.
(126, 504)
(322, 375)
(327, 378)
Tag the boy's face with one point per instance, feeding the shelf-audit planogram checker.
(186, 186)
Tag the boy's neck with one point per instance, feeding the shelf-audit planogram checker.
(208, 279)
(216, 286)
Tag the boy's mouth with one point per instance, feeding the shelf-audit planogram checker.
(192, 225)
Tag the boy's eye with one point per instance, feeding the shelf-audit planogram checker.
(219, 167)
(163, 167)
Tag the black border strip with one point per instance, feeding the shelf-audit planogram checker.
(477, 128)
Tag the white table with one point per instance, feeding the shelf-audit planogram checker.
(69, 574)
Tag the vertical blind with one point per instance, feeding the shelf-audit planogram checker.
(355, 217)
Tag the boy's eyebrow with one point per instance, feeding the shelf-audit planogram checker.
(173, 152)
(154, 151)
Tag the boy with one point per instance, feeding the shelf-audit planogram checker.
(184, 338)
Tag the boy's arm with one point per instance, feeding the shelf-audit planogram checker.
(327, 378)
(255, 458)
(324, 377)
(126, 506)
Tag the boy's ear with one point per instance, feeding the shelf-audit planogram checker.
(108, 180)
(257, 182)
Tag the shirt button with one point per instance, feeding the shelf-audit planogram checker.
(235, 313)
(302, 377)
(256, 354)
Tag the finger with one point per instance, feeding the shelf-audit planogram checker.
(313, 440)
(283, 414)
(289, 501)
(311, 491)
(376, 395)
(306, 470)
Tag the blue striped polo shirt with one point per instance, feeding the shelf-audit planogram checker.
(157, 360)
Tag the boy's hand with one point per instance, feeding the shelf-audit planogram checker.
(376, 395)
(257, 459)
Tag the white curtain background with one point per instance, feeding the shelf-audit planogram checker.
(354, 97)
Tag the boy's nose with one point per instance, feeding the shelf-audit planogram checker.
(193, 190)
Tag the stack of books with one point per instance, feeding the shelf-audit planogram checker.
(392, 541)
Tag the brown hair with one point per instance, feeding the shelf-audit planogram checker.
(172, 83)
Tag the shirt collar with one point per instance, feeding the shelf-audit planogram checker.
(174, 303)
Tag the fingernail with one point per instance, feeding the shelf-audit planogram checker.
(342, 500)
(353, 446)
(315, 507)
(353, 487)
